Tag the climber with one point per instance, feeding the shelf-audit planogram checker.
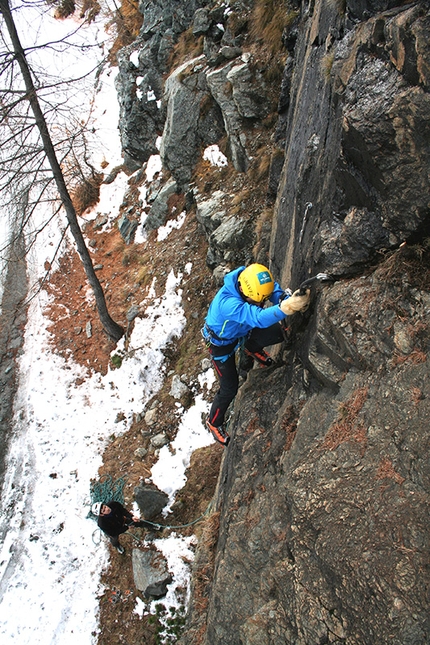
(237, 317)
(114, 519)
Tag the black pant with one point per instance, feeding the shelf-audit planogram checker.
(227, 372)
(114, 539)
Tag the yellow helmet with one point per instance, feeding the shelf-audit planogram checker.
(256, 282)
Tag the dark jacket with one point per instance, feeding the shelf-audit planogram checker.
(117, 521)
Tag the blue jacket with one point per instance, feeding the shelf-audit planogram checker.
(230, 317)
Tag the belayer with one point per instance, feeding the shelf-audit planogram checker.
(237, 317)
(114, 519)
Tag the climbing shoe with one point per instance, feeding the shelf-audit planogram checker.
(120, 549)
(261, 357)
(219, 434)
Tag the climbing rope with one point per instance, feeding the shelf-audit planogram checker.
(180, 526)
(158, 527)
(105, 490)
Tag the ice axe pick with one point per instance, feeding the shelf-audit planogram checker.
(320, 277)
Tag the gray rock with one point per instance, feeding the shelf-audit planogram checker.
(228, 52)
(159, 210)
(150, 573)
(218, 82)
(210, 212)
(230, 234)
(159, 440)
(219, 274)
(140, 119)
(178, 388)
(206, 364)
(127, 228)
(201, 22)
(140, 453)
(150, 500)
(88, 329)
(249, 91)
(132, 313)
(151, 416)
(158, 589)
(100, 221)
(183, 92)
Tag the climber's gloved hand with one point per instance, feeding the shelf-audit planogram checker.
(295, 303)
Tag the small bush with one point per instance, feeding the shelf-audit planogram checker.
(187, 47)
(125, 22)
(87, 193)
(327, 64)
(116, 360)
(268, 21)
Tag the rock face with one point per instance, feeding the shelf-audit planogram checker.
(361, 159)
(323, 492)
(202, 100)
(324, 489)
(323, 497)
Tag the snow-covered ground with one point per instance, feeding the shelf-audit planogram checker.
(50, 566)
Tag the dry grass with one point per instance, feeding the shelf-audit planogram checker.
(125, 23)
(203, 573)
(386, 471)
(259, 170)
(347, 428)
(241, 197)
(414, 261)
(327, 64)
(289, 426)
(86, 194)
(268, 21)
(84, 9)
(416, 357)
(187, 47)
(131, 255)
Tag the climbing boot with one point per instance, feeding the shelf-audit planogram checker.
(120, 549)
(219, 434)
(261, 357)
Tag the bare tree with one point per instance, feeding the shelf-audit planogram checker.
(31, 152)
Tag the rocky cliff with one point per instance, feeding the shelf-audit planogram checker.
(321, 512)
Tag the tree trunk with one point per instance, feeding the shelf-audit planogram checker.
(113, 329)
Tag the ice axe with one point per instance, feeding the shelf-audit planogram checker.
(320, 277)
(301, 291)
